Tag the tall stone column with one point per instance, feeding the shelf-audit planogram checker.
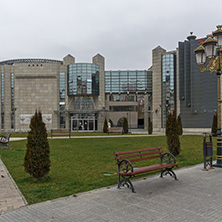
(7, 98)
(100, 100)
(99, 60)
(67, 60)
(157, 86)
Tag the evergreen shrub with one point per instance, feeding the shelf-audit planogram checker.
(173, 142)
(125, 125)
(105, 126)
(37, 161)
(179, 124)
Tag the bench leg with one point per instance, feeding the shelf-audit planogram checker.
(4, 145)
(168, 171)
(127, 182)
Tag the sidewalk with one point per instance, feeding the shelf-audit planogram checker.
(10, 196)
(197, 196)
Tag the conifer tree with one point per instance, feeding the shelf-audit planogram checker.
(214, 125)
(125, 125)
(105, 126)
(173, 142)
(36, 161)
(179, 124)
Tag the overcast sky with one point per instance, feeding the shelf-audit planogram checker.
(123, 31)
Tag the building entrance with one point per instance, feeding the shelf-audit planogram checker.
(83, 122)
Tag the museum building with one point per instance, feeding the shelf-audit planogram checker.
(77, 96)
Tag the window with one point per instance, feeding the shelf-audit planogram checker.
(2, 99)
(168, 85)
(83, 103)
(127, 81)
(122, 108)
(62, 85)
(12, 102)
(83, 79)
(122, 98)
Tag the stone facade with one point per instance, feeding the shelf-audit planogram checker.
(157, 87)
(28, 85)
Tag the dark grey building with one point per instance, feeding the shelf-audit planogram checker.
(197, 90)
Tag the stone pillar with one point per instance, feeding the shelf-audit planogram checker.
(67, 60)
(100, 100)
(157, 86)
(7, 97)
(101, 119)
(99, 60)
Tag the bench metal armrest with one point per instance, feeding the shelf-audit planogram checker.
(125, 166)
(168, 158)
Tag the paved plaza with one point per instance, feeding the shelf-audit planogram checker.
(197, 196)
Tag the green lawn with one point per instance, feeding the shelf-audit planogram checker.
(79, 165)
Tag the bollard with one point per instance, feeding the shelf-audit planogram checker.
(208, 153)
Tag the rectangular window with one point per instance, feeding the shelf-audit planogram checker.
(123, 108)
(3, 88)
(12, 102)
(2, 99)
(62, 85)
(168, 85)
(84, 80)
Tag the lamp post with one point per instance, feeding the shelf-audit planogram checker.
(209, 58)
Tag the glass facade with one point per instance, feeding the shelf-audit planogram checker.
(3, 89)
(83, 122)
(12, 102)
(128, 81)
(62, 85)
(122, 98)
(83, 79)
(83, 103)
(2, 99)
(168, 85)
(197, 90)
(123, 108)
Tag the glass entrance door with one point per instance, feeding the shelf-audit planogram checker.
(83, 122)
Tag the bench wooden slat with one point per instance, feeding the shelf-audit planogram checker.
(145, 158)
(137, 155)
(148, 169)
(136, 151)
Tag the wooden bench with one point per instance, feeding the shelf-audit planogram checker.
(115, 130)
(60, 132)
(126, 169)
(4, 141)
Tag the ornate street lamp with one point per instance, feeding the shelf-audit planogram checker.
(209, 52)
